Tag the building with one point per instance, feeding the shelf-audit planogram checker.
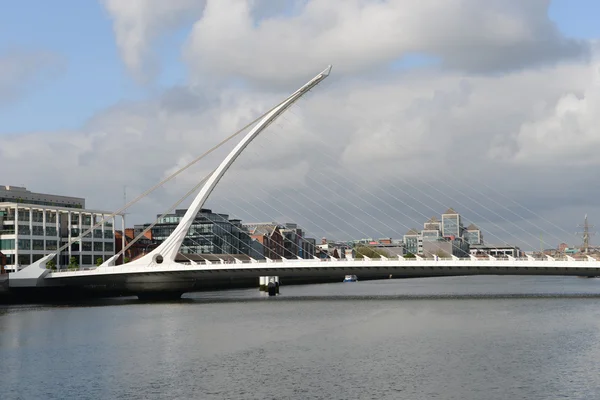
(275, 241)
(446, 248)
(140, 247)
(30, 231)
(2, 262)
(268, 238)
(432, 225)
(496, 251)
(452, 224)
(473, 235)
(17, 194)
(413, 242)
(333, 249)
(210, 233)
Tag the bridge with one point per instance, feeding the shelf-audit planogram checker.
(159, 274)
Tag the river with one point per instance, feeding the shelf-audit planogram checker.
(438, 338)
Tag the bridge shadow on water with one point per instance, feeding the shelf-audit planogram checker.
(442, 289)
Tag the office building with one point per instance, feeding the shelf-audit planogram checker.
(473, 235)
(18, 194)
(30, 231)
(452, 224)
(210, 233)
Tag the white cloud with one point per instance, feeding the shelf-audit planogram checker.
(138, 23)
(358, 35)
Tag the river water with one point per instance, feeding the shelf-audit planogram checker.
(437, 338)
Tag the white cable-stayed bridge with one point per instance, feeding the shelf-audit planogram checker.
(161, 273)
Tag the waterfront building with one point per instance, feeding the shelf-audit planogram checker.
(140, 247)
(413, 242)
(473, 235)
(210, 233)
(446, 247)
(333, 249)
(432, 225)
(452, 224)
(269, 236)
(18, 194)
(496, 251)
(274, 240)
(30, 231)
(2, 262)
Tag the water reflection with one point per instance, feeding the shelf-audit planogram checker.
(450, 338)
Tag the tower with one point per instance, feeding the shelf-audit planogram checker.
(586, 234)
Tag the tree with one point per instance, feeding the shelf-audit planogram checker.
(125, 260)
(73, 263)
(409, 255)
(371, 252)
(51, 265)
(99, 261)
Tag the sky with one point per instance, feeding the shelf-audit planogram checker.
(487, 107)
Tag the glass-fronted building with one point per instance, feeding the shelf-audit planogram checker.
(413, 242)
(452, 224)
(210, 233)
(30, 231)
(473, 235)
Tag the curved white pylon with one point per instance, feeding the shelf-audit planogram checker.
(168, 250)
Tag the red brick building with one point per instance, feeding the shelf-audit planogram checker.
(2, 262)
(270, 237)
(143, 246)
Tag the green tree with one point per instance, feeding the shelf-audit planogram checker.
(51, 265)
(371, 252)
(73, 263)
(99, 261)
(126, 260)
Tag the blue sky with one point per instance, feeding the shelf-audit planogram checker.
(92, 76)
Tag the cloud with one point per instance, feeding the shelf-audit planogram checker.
(466, 35)
(138, 23)
(21, 71)
(371, 152)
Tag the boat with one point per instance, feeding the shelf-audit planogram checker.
(350, 278)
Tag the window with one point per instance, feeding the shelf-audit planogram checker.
(38, 244)
(7, 244)
(98, 246)
(23, 215)
(87, 246)
(108, 235)
(38, 230)
(37, 216)
(50, 217)
(24, 230)
(24, 259)
(24, 244)
(98, 233)
(86, 260)
(51, 245)
(87, 220)
(109, 247)
(51, 231)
